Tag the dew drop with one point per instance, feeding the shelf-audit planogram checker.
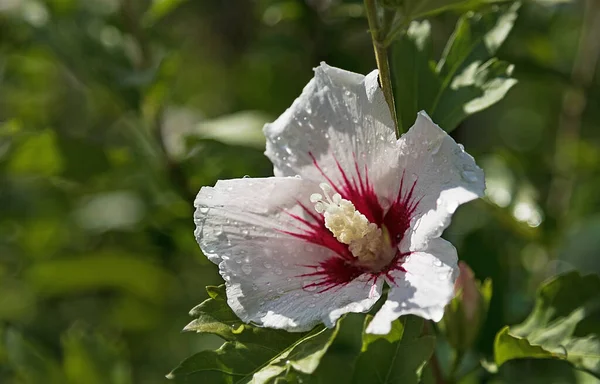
(203, 209)
(247, 269)
(437, 263)
(278, 271)
(311, 305)
(469, 176)
(436, 147)
(238, 261)
(254, 287)
(267, 265)
(280, 290)
(285, 263)
(245, 232)
(309, 286)
(443, 277)
(462, 147)
(246, 177)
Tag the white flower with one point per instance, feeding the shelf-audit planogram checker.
(350, 207)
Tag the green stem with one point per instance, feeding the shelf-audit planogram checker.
(381, 56)
(433, 361)
(455, 366)
(395, 29)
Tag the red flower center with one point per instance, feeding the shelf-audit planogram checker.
(342, 266)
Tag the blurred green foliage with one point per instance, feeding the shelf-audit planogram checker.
(113, 113)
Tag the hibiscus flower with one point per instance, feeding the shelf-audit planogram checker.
(350, 208)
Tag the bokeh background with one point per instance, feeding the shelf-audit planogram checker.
(113, 113)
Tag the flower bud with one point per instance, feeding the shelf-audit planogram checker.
(466, 313)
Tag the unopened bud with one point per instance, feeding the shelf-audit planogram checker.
(466, 313)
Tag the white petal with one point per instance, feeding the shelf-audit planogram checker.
(446, 176)
(423, 290)
(241, 227)
(340, 118)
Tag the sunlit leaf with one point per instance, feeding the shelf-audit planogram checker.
(467, 79)
(396, 357)
(508, 347)
(562, 325)
(37, 154)
(160, 9)
(250, 354)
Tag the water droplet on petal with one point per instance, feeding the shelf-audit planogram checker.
(443, 276)
(469, 176)
(245, 232)
(247, 269)
(267, 265)
(436, 146)
(246, 177)
(462, 147)
(204, 209)
(278, 271)
(311, 305)
(437, 262)
(309, 286)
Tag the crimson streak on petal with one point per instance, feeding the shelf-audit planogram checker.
(342, 267)
(360, 192)
(397, 219)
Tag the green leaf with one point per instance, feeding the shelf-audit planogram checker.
(467, 79)
(37, 154)
(508, 347)
(216, 317)
(416, 9)
(250, 354)
(97, 358)
(30, 362)
(158, 10)
(100, 270)
(563, 325)
(396, 357)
